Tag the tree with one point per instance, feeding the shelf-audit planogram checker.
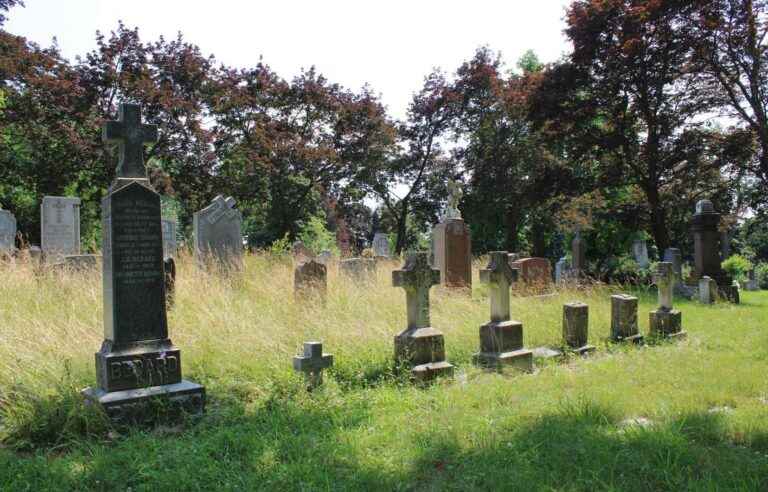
(5, 6)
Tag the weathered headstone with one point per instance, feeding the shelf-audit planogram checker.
(706, 238)
(301, 253)
(501, 340)
(561, 270)
(137, 362)
(7, 231)
(381, 245)
(752, 284)
(707, 290)
(420, 346)
(310, 281)
(453, 253)
(579, 255)
(325, 257)
(170, 280)
(666, 321)
(218, 234)
(312, 363)
(534, 272)
(640, 251)
(360, 270)
(169, 238)
(60, 227)
(624, 326)
(576, 327)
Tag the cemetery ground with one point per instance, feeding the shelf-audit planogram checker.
(686, 415)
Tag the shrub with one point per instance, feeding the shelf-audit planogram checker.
(737, 267)
(317, 237)
(761, 272)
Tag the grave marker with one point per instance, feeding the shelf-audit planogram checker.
(501, 340)
(60, 227)
(579, 254)
(624, 319)
(706, 239)
(360, 270)
(169, 238)
(419, 345)
(576, 327)
(137, 361)
(666, 321)
(312, 363)
(707, 290)
(640, 251)
(218, 234)
(7, 232)
(381, 245)
(310, 281)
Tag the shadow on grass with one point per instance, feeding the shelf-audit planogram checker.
(295, 441)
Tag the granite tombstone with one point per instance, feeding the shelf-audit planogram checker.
(310, 281)
(640, 252)
(60, 227)
(138, 362)
(170, 244)
(624, 327)
(706, 238)
(381, 245)
(7, 232)
(311, 363)
(666, 321)
(576, 327)
(218, 234)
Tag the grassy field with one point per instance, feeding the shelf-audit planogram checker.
(685, 416)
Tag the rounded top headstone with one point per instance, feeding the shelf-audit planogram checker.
(704, 207)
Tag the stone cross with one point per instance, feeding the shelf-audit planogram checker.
(312, 363)
(417, 277)
(499, 276)
(665, 278)
(130, 135)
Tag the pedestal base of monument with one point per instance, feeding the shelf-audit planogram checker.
(423, 349)
(521, 360)
(636, 339)
(144, 405)
(667, 324)
(583, 350)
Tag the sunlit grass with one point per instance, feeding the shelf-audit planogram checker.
(706, 398)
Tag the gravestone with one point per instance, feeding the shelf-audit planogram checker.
(325, 257)
(640, 251)
(579, 255)
(301, 253)
(360, 270)
(218, 234)
(169, 238)
(453, 253)
(534, 272)
(561, 270)
(576, 327)
(310, 281)
(752, 284)
(7, 232)
(501, 339)
(312, 363)
(170, 280)
(60, 227)
(381, 245)
(666, 321)
(420, 346)
(707, 290)
(137, 362)
(706, 238)
(624, 319)
(79, 263)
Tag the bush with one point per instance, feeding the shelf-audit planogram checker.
(737, 267)
(761, 273)
(317, 237)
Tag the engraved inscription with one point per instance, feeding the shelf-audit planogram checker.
(143, 371)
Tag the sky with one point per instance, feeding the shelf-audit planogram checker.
(390, 45)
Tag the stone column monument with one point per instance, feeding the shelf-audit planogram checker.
(706, 244)
(452, 244)
(137, 362)
(665, 321)
(578, 255)
(420, 346)
(501, 340)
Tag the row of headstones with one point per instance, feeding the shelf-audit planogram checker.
(422, 347)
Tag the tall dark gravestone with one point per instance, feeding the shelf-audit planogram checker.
(137, 362)
(706, 250)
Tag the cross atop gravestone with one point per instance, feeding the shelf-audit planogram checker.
(312, 363)
(499, 275)
(417, 277)
(130, 135)
(665, 278)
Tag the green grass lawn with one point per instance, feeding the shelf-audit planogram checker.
(692, 415)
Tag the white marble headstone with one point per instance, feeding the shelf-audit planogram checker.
(381, 244)
(640, 250)
(60, 226)
(218, 234)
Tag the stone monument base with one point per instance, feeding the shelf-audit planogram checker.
(521, 360)
(666, 323)
(143, 404)
(424, 350)
(583, 350)
(636, 339)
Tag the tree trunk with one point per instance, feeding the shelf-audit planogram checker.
(511, 219)
(658, 220)
(538, 240)
(401, 223)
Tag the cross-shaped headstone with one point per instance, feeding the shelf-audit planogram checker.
(499, 276)
(130, 135)
(417, 277)
(665, 278)
(312, 363)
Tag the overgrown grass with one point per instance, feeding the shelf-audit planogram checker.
(683, 416)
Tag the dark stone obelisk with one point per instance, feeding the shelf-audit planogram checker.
(137, 364)
(706, 250)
